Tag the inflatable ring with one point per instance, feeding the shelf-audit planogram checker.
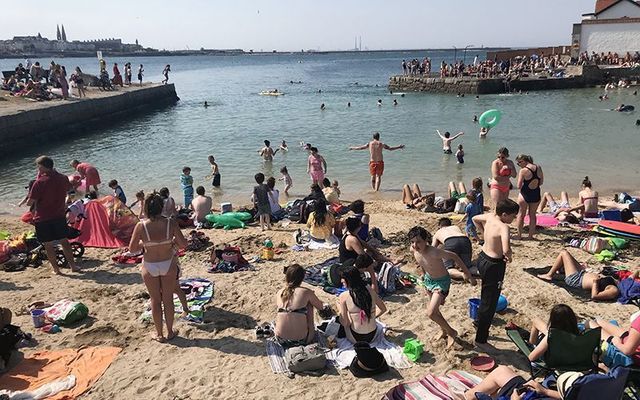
(490, 118)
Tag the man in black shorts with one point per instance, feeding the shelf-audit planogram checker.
(48, 198)
(451, 238)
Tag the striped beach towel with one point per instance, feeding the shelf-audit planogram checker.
(201, 292)
(432, 387)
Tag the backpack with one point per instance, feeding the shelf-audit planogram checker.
(10, 336)
(305, 358)
(387, 277)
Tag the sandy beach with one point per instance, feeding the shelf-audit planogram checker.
(222, 359)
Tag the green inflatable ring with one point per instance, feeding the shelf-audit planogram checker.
(490, 118)
(224, 220)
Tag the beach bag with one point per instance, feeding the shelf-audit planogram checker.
(66, 312)
(305, 358)
(333, 275)
(594, 245)
(387, 277)
(376, 233)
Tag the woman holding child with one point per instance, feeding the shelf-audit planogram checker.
(294, 321)
(158, 236)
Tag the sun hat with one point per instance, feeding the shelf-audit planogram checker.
(566, 380)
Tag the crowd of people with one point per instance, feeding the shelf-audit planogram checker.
(611, 58)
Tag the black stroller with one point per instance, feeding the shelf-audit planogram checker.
(37, 253)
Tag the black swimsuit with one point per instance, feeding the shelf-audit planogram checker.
(346, 254)
(531, 195)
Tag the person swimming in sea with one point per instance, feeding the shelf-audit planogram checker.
(206, 104)
(475, 118)
(379, 102)
(447, 139)
(349, 104)
(395, 102)
(322, 107)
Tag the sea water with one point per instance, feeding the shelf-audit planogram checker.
(568, 132)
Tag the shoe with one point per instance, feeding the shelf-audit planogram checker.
(259, 332)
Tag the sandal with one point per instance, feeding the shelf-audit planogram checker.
(267, 330)
(259, 332)
(159, 339)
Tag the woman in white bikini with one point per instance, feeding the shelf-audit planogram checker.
(158, 236)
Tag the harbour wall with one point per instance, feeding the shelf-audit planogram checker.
(576, 77)
(64, 119)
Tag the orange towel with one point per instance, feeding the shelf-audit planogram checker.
(87, 364)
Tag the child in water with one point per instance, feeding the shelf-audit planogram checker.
(283, 146)
(117, 191)
(288, 182)
(460, 154)
(186, 181)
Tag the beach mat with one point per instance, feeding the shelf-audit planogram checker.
(275, 354)
(45, 367)
(433, 387)
(544, 220)
(202, 291)
(534, 271)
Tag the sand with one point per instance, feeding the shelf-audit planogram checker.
(222, 359)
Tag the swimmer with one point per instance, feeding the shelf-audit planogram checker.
(319, 90)
(206, 104)
(623, 108)
(322, 107)
(478, 97)
(402, 95)
(475, 118)
(379, 102)
(635, 93)
(349, 104)
(638, 122)
(283, 146)
(483, 132)
(267, 152)
(447, 139)
(395, 102)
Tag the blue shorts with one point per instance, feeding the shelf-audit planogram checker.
(471, 231)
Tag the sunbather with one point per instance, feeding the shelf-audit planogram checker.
(359, 307)
(561, 317)
(294, 321)
(625, 340)
(413, 198)
(504, 383)
(600, 287)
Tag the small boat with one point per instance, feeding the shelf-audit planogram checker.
(271, 93)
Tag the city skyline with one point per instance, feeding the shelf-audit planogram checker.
(290, 25)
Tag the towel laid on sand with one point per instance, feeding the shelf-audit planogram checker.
(46, 367)
(343, 354)
(433, 387)
(200, 293)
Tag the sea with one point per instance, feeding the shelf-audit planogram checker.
(570, 133)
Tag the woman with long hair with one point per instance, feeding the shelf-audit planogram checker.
(530, 178)
(359, 307)
(294, 321)
(158, 236)
(321, 222)
(562, 318)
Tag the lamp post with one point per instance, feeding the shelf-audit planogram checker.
(464, 58)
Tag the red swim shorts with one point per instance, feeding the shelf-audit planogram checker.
(376, 168)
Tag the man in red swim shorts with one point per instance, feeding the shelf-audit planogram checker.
(376, 162)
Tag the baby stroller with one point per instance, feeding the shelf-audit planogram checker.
(37, 253)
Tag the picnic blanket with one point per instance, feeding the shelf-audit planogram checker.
(275, 354)
(433, 387)
(343, 354)
(72, 370)
(201, 292)
(314, 276)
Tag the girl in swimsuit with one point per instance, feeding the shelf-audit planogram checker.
(588, 199)
(530, 179)
(502, 170)
(158, 236)
(294, 321)
(316, 166)
(358, 311)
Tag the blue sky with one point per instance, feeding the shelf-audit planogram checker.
(305, 24)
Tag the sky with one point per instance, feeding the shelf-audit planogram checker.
(293, 25)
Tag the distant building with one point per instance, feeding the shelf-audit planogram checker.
(614, 26)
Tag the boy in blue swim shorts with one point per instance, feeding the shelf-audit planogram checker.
(436, 279)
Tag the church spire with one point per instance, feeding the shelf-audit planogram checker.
(64, 34)
(58, 32)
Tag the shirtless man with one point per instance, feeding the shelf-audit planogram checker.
(201, 206)
(435, 277)
(267, 152)
(215, 172)
(376, 162)
(447, 140)
(451, 238)
(492, 262)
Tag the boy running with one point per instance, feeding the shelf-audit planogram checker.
(436, 278)
(492, 262)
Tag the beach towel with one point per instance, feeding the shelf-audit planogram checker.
(314, 275)
(629, 291)
(275, 354)
(544, 220)
(200, 293)
(46, 367)
(434, 387)
(343, 354)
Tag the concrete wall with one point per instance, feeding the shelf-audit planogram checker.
(621, 10)
(610, 37)
(64, 119)
(445, 85)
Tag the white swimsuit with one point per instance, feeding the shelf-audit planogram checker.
(158, 268)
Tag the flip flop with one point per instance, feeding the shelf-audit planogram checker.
(483, 363)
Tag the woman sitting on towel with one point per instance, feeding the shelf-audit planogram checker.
(294, 321)
(357, 305)
(321, 223)
(576, 276)
(561, 317)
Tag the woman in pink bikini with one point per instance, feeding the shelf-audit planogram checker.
(317, 166)
(158, 236)
(502, 170)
